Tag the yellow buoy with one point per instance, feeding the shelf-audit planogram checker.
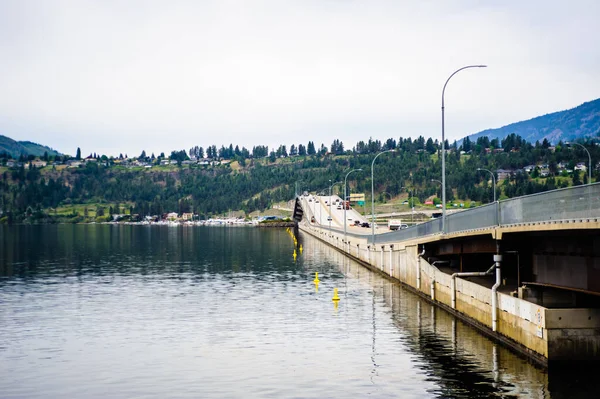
(316, 280)
(295, 255)
(335, 295)
(300, 248)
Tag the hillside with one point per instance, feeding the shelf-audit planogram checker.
(579, 122)
(16, 148)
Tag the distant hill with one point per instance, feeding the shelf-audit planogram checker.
(16, 148)
(579, 122)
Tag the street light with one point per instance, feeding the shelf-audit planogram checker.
(590, 160)
(411, 203)
(438, 181)
(345, 196)
(322, 192)
(493, 180)
(330, 217)
(444, 144)
(373, 195)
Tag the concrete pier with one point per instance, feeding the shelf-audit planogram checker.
(544, 334)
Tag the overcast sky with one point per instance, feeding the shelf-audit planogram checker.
(125, 76)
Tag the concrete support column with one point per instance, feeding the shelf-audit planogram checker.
(391, 260)
(498, 261)
(419, 272)
(382, 262)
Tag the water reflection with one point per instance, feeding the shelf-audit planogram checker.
(461, 361)
(124, 311)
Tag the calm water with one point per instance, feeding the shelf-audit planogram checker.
(95, 311)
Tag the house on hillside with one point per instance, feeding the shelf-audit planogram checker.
(187, 216)
(38, 163)
(504, 173)
(581, 166)
(172, 216)
(74, 163)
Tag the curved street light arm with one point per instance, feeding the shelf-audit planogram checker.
(493, 180)
(345, 198)
(444, 146)
(590, 161)
(373, 193)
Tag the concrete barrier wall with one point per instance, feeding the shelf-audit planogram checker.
(521, 324)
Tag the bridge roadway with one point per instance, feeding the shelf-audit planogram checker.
(550, 248)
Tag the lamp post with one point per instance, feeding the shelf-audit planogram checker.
(493, 180)
(590, 160)
(322, 192)
(410, 203)
(437, 181)
(373, 195)
(345, 196)
(330, 217)
(444, 145)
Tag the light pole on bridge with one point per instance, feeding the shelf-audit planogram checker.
(373, 195)
(345, 198)
(590, 160)
(493, 180)
(444, 145)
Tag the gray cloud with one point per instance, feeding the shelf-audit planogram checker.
(114, 76)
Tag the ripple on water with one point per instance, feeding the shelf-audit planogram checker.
(122, 312)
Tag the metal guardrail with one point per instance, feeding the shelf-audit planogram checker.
(563, 204)
(580, 202)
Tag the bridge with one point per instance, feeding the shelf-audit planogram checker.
(531, 262)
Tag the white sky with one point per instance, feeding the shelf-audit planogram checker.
(126, 76)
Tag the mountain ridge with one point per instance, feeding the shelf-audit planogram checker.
(582, 121)
(16, 148)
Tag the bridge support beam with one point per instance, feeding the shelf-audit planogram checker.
(391, 260)
(498, 261)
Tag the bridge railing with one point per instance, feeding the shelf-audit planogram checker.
(562, 204)
(580, 202)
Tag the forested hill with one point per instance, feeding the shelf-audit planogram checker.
(147, 186)
(17, 148)
(577, 123)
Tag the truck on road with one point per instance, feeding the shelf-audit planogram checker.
(396, 224)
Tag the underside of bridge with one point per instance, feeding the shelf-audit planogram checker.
(556, 269)
(298, 211)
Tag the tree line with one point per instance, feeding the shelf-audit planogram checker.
(264, 180)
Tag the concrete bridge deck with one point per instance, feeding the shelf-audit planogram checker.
(550, 247)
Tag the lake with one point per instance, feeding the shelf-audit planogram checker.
(115, 311)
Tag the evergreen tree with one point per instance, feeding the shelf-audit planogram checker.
(301, 150)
